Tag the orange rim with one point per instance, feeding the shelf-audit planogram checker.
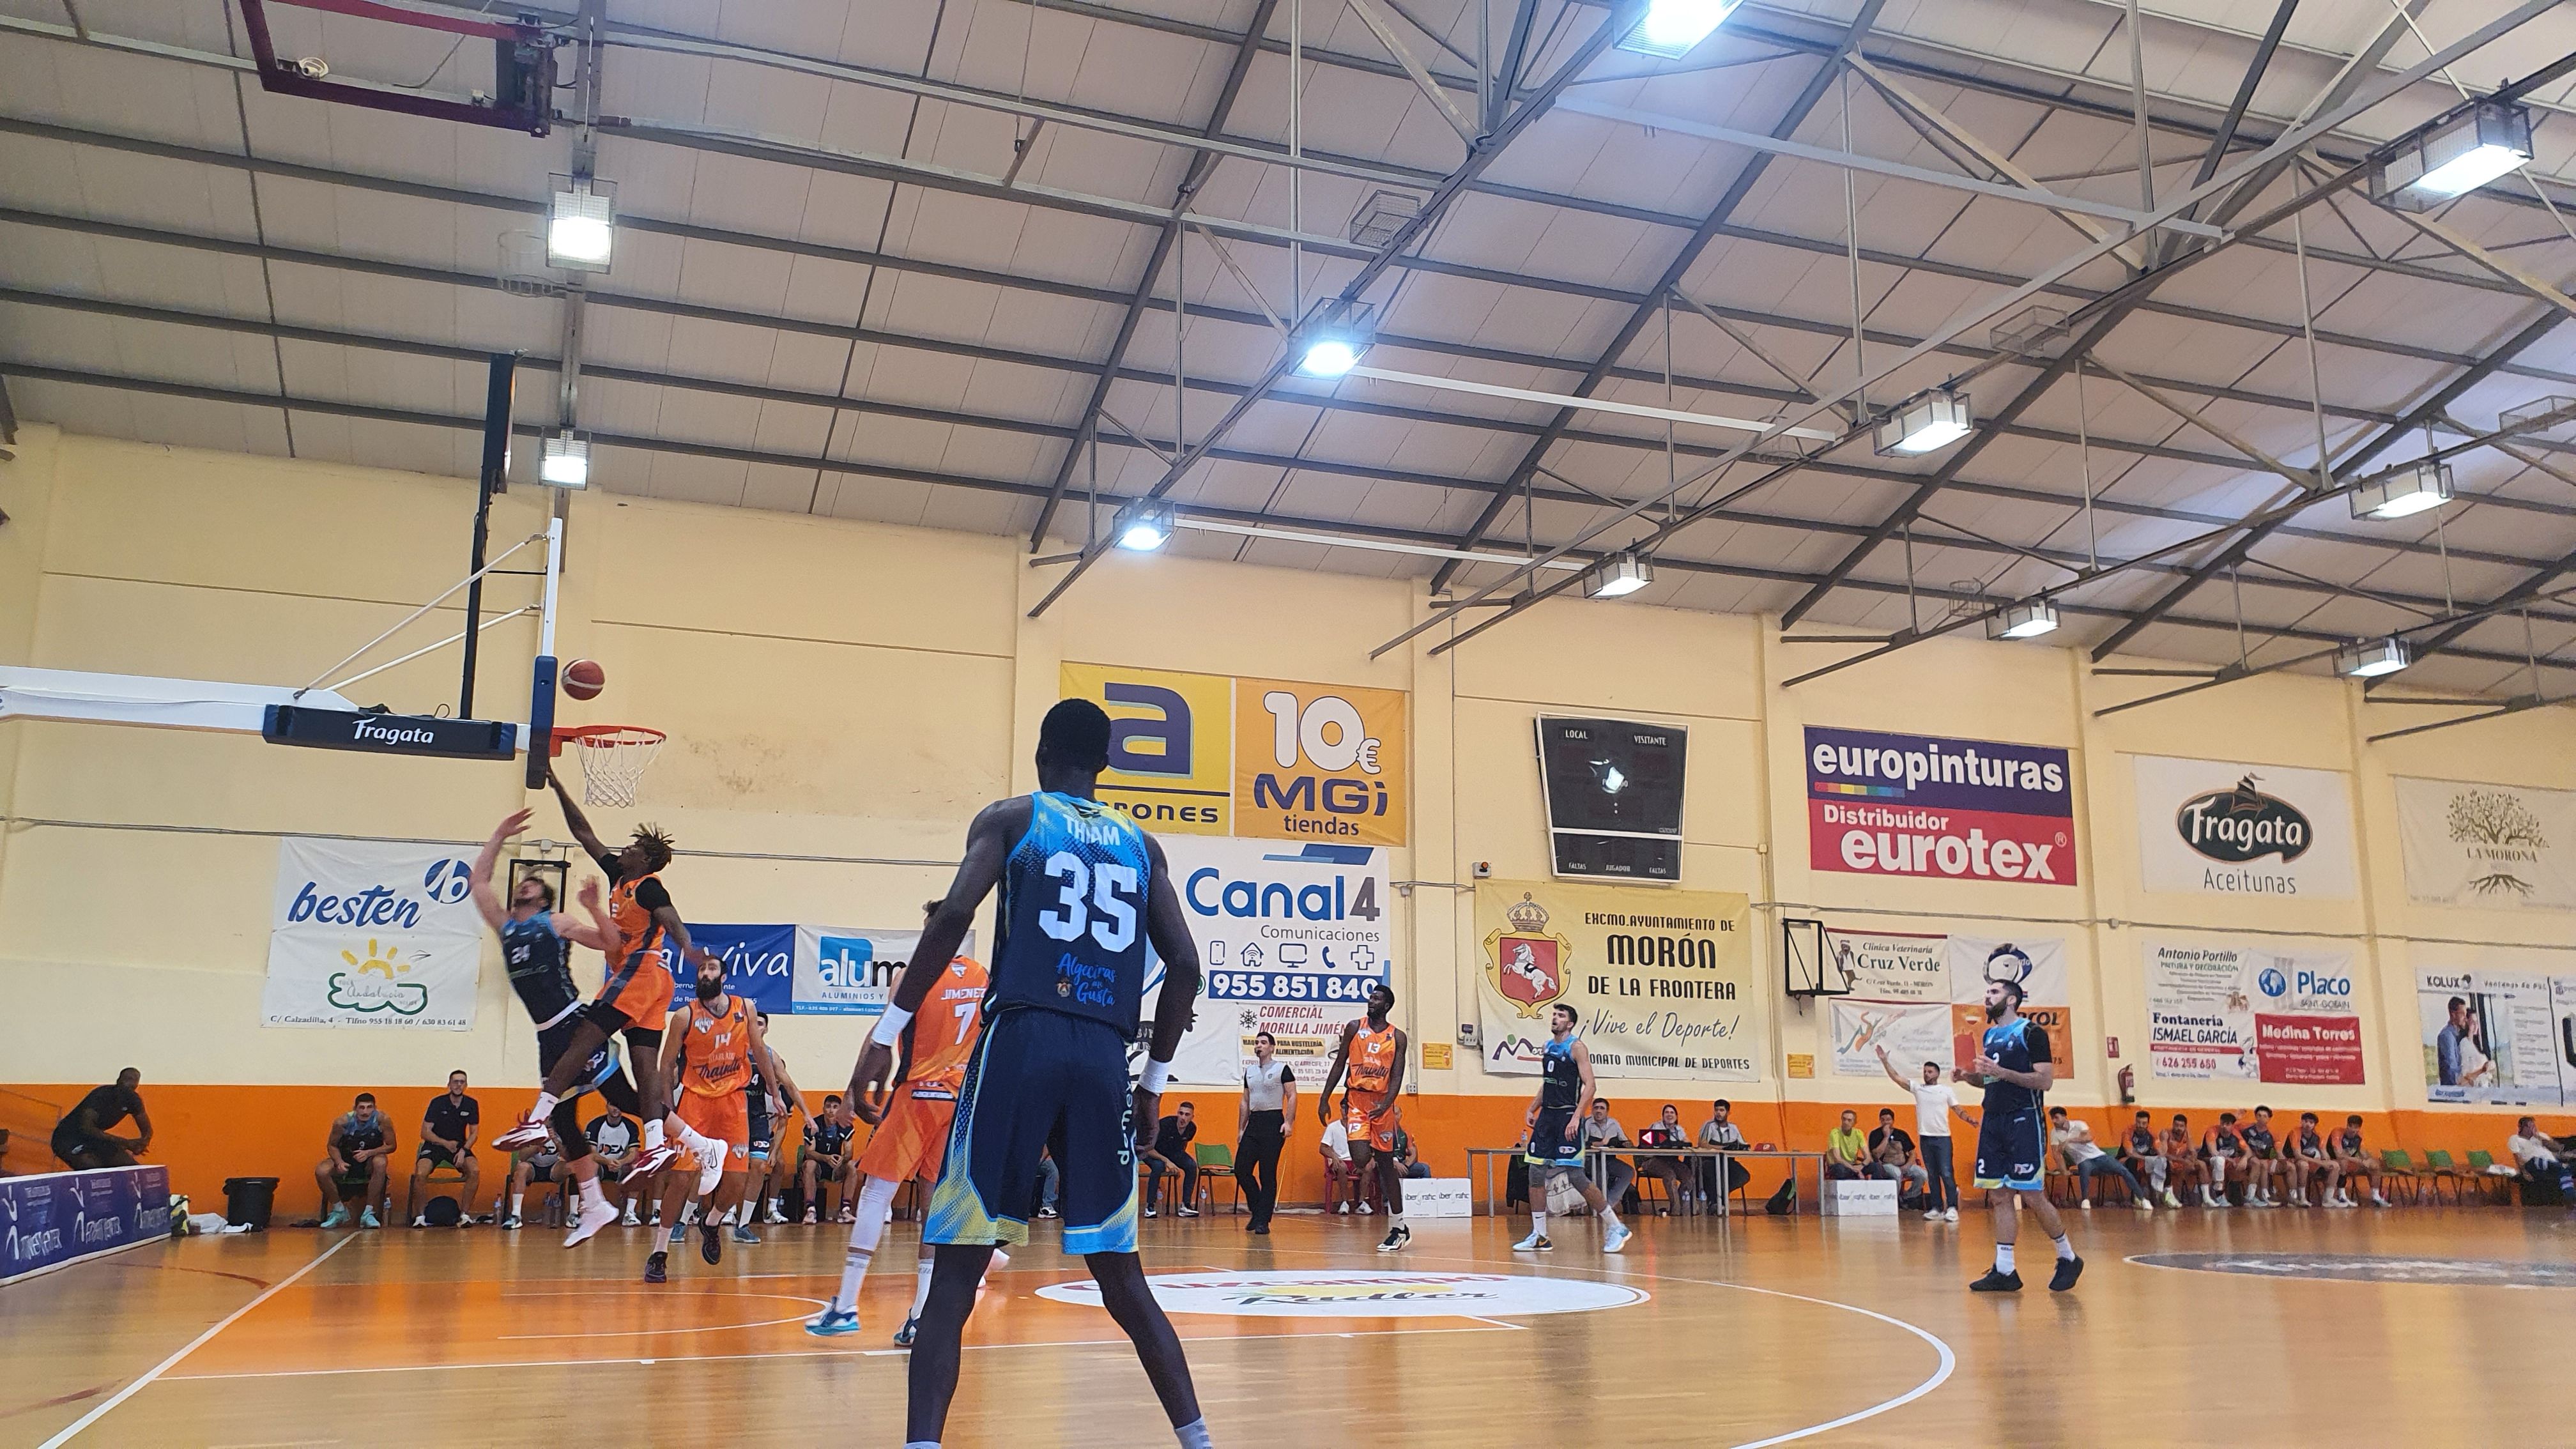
(604, 734)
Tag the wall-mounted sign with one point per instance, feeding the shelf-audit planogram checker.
(1614, 797)
(2221, 827)
(1888, 804)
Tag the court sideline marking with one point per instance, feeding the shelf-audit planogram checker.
(164, 1366)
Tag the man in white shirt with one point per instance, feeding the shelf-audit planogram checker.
(2541, 1158)
(1599, 1129)
(1934, 1101)
(2073, 1139)
(1336, 1150)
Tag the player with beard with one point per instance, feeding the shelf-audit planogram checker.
(2013, 1066)
(1555, 1122)
(1373, 1053)
(709, 1050)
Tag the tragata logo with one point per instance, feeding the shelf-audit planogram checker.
(2243, 824)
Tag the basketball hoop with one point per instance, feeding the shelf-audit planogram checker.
(613, 759)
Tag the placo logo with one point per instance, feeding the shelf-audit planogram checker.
(2318, 983)
(2243, 824)
(2274, 983)
(1325, 1294)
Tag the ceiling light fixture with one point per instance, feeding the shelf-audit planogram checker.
(2371, 658)
(581, 224)
(1924, 423)
(2026, 620)
(1618, 575)
(2451, 155)
(1672, 29)
(2425, 486)
(1337, 341)
(1147, 527)
(566, 463)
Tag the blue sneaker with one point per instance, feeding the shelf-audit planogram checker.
(338, 1217)
(742, 1234)
(1616, 1238)
(833, 1322)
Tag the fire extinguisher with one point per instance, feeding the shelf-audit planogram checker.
(2128, 1086)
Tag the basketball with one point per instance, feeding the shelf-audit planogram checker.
(584, 679)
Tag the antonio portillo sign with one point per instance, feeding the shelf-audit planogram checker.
(2223, 827)
(1887, 804)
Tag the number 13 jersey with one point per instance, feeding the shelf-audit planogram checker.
(1073, 914)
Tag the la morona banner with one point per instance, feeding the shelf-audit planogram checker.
(1922, 996)
(371, 934)
(2488, 846)
(1662, 981)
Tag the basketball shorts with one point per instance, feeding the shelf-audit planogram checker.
(912, 1140)
(2009, 1151)
(1041, 1082)
(763, 1131)
(433, 1158)
(1366, 1130)
(639, 992)
(724, 1116)
(1548, 1144)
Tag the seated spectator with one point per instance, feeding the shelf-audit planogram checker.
(1720, 1131)
(2145, 1160)
(2542, 1158)
(446, 1140)
(353, 1164)
(1343, 1191)
(1602, 1129)
(1407, 1158)
(827, 1161)
(81, 1139)
(1171, 1156)
(2356, 1163)
(1891, 1155)
(2222, 1148)
(542, 1166)
(2311, 1161)
(1672, 1172)
(2263, 1164)
(2183, 1167)
(612, 1146)
(2073, 1140)
(1846, 1151)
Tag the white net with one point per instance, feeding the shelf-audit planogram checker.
(613, 761)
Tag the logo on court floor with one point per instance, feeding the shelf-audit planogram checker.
(1288, 1294)
(2366, 1268)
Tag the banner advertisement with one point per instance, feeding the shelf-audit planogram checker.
(834, 970)
(1900, 999)
(2498, 1037)
(759, 964)
(1207, 754)
(56, 1218)
(1662, 980)
(2040, 967)
(2219, 827)
(369, 934)
(1293, 937)
(2226, 1011)
(2487, 845)
(1890, 804)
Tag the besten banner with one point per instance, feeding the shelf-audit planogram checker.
(1889, 804)
(2487, 845)
(2221, 827)
(367, 934)
(2230, 1011)
(1205, 754)
(2497, 1036)
(1662, 981)
(1293, 937)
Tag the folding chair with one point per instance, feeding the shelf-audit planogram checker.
(2439, 1169)
(2394, 1163)
(1216, 1160)
(2491, 1186)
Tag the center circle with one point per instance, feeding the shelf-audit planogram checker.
(1291, 1293)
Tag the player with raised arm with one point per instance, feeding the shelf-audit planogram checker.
(536, 942)
(2013, 1066)
(1083, 891)
(1555, 1121)
(1373, 1053)
(911, 1140)
(635, 999)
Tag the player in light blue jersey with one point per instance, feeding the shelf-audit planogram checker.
(1083, 892)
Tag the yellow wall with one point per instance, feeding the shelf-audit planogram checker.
(850, 693)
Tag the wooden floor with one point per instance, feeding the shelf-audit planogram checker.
(1748, 1332)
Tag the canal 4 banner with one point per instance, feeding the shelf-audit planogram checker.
(373, 935)
(1292, 937)
(1890, 804)
(2251, 1012)
(2224, 827)
(58, 1218)
(1661, 980)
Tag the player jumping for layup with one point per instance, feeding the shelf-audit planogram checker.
(2013, 1066)
(911, 1140)
(534, 949)
(1083, 890)
(635, 999)
(1555, 1151)
(1372, 1051)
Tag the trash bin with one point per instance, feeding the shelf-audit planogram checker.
(247, 1201)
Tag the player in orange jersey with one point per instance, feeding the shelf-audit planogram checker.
(708, 1051)
(911, 1140)
(1373, 1053)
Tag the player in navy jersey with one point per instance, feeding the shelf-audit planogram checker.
(1083, 891)
(2013, 1066)
(1554, 1145)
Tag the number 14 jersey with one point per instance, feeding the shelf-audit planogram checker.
(1073, 914)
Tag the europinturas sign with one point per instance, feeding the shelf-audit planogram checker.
(1270, 759)
(1920, 805)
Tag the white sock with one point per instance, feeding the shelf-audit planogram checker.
(652, 1134)
(1394, 1221)
(2065, 1249)
(661, 1238)
(1609, 1215)
(2003, 1257)
(921, 1288)
(863, 1243)
(1194, 1434)
(514, 1203)
(590, 1194)
(1538, 1223)
(545, 1104)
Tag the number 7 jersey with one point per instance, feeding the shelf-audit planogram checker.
(1073, 914)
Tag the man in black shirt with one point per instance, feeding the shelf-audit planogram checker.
(1891, 1155)
(446, 1140)
(828, 1160)
(81, 1139)
(1171, 1154)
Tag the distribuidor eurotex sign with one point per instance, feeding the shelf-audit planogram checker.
(1921, 805)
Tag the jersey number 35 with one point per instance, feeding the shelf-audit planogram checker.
(1111, 890)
